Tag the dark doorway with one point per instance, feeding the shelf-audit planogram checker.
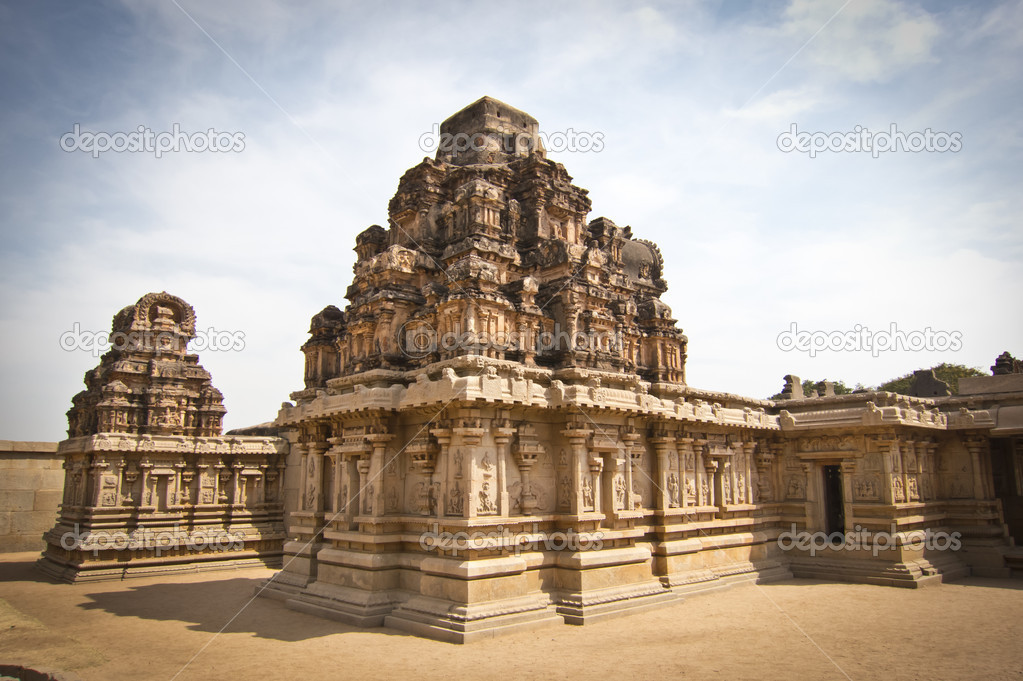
(834, 509)
(1007, 476)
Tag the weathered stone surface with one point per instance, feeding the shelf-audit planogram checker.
(150, 484)
(926, 384)
(496, 432)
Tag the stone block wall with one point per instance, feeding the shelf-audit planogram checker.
(31, 485)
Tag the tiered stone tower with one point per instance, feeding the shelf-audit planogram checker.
(489, 254)
(151, 485)
(147, 383)
(496, 431)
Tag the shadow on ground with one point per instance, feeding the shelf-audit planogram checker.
(225, 605)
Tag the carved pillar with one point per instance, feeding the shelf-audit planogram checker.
(747, 471)
(147, 493)
(96, 471)
(667, 486)
(810, 484)
(688, 473)
(365, 491)
(602, 485)
(977, 445)
(336, 459)
(848, 468)
(713, 479)
(763, 459)
(583, 493)
(930, 491)
(633, 452)
(502, 437)
(475, 493)
(177, 498)
(888, 452)
(443, 437)
(376, 471)
(313, 483)
(300, 449)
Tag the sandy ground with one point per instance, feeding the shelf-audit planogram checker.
(170, 628)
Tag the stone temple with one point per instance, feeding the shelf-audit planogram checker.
(151, 485)
(496, 431)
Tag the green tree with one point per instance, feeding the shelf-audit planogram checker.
(950, 373)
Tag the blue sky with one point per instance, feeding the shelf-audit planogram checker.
(332, 99)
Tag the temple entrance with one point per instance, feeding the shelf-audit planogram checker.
(1007, 476)
(834, 509)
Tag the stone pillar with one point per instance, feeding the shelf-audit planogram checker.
(632, 453)
(468, 435)
(96, 471)
(977, 445)
(146, 498)
(685, 453)
(810, 484)
(885, 447)
(300, 449)
(603, 486)
(848, 468)
(579, 470)
(376, 471)
(365, 491)
(662, 444)
(336, 463)
(443, 437)
(237, 484)
(312, 486)
(176, 497)
(502, 437)
(713, 479)
(747, 470)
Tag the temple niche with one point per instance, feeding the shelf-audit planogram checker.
(496, 431)
(151, 485)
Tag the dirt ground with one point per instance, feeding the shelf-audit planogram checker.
(208, 626)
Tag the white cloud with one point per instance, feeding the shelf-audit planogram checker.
(863, 40)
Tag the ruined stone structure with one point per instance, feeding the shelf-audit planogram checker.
(150, 484)
(496, 431)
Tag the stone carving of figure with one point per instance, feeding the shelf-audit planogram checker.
(620, 490)
(485, 503)
(455, 499)
(587, 492)
(673, 490)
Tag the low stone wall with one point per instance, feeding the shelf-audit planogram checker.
(31, 486)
